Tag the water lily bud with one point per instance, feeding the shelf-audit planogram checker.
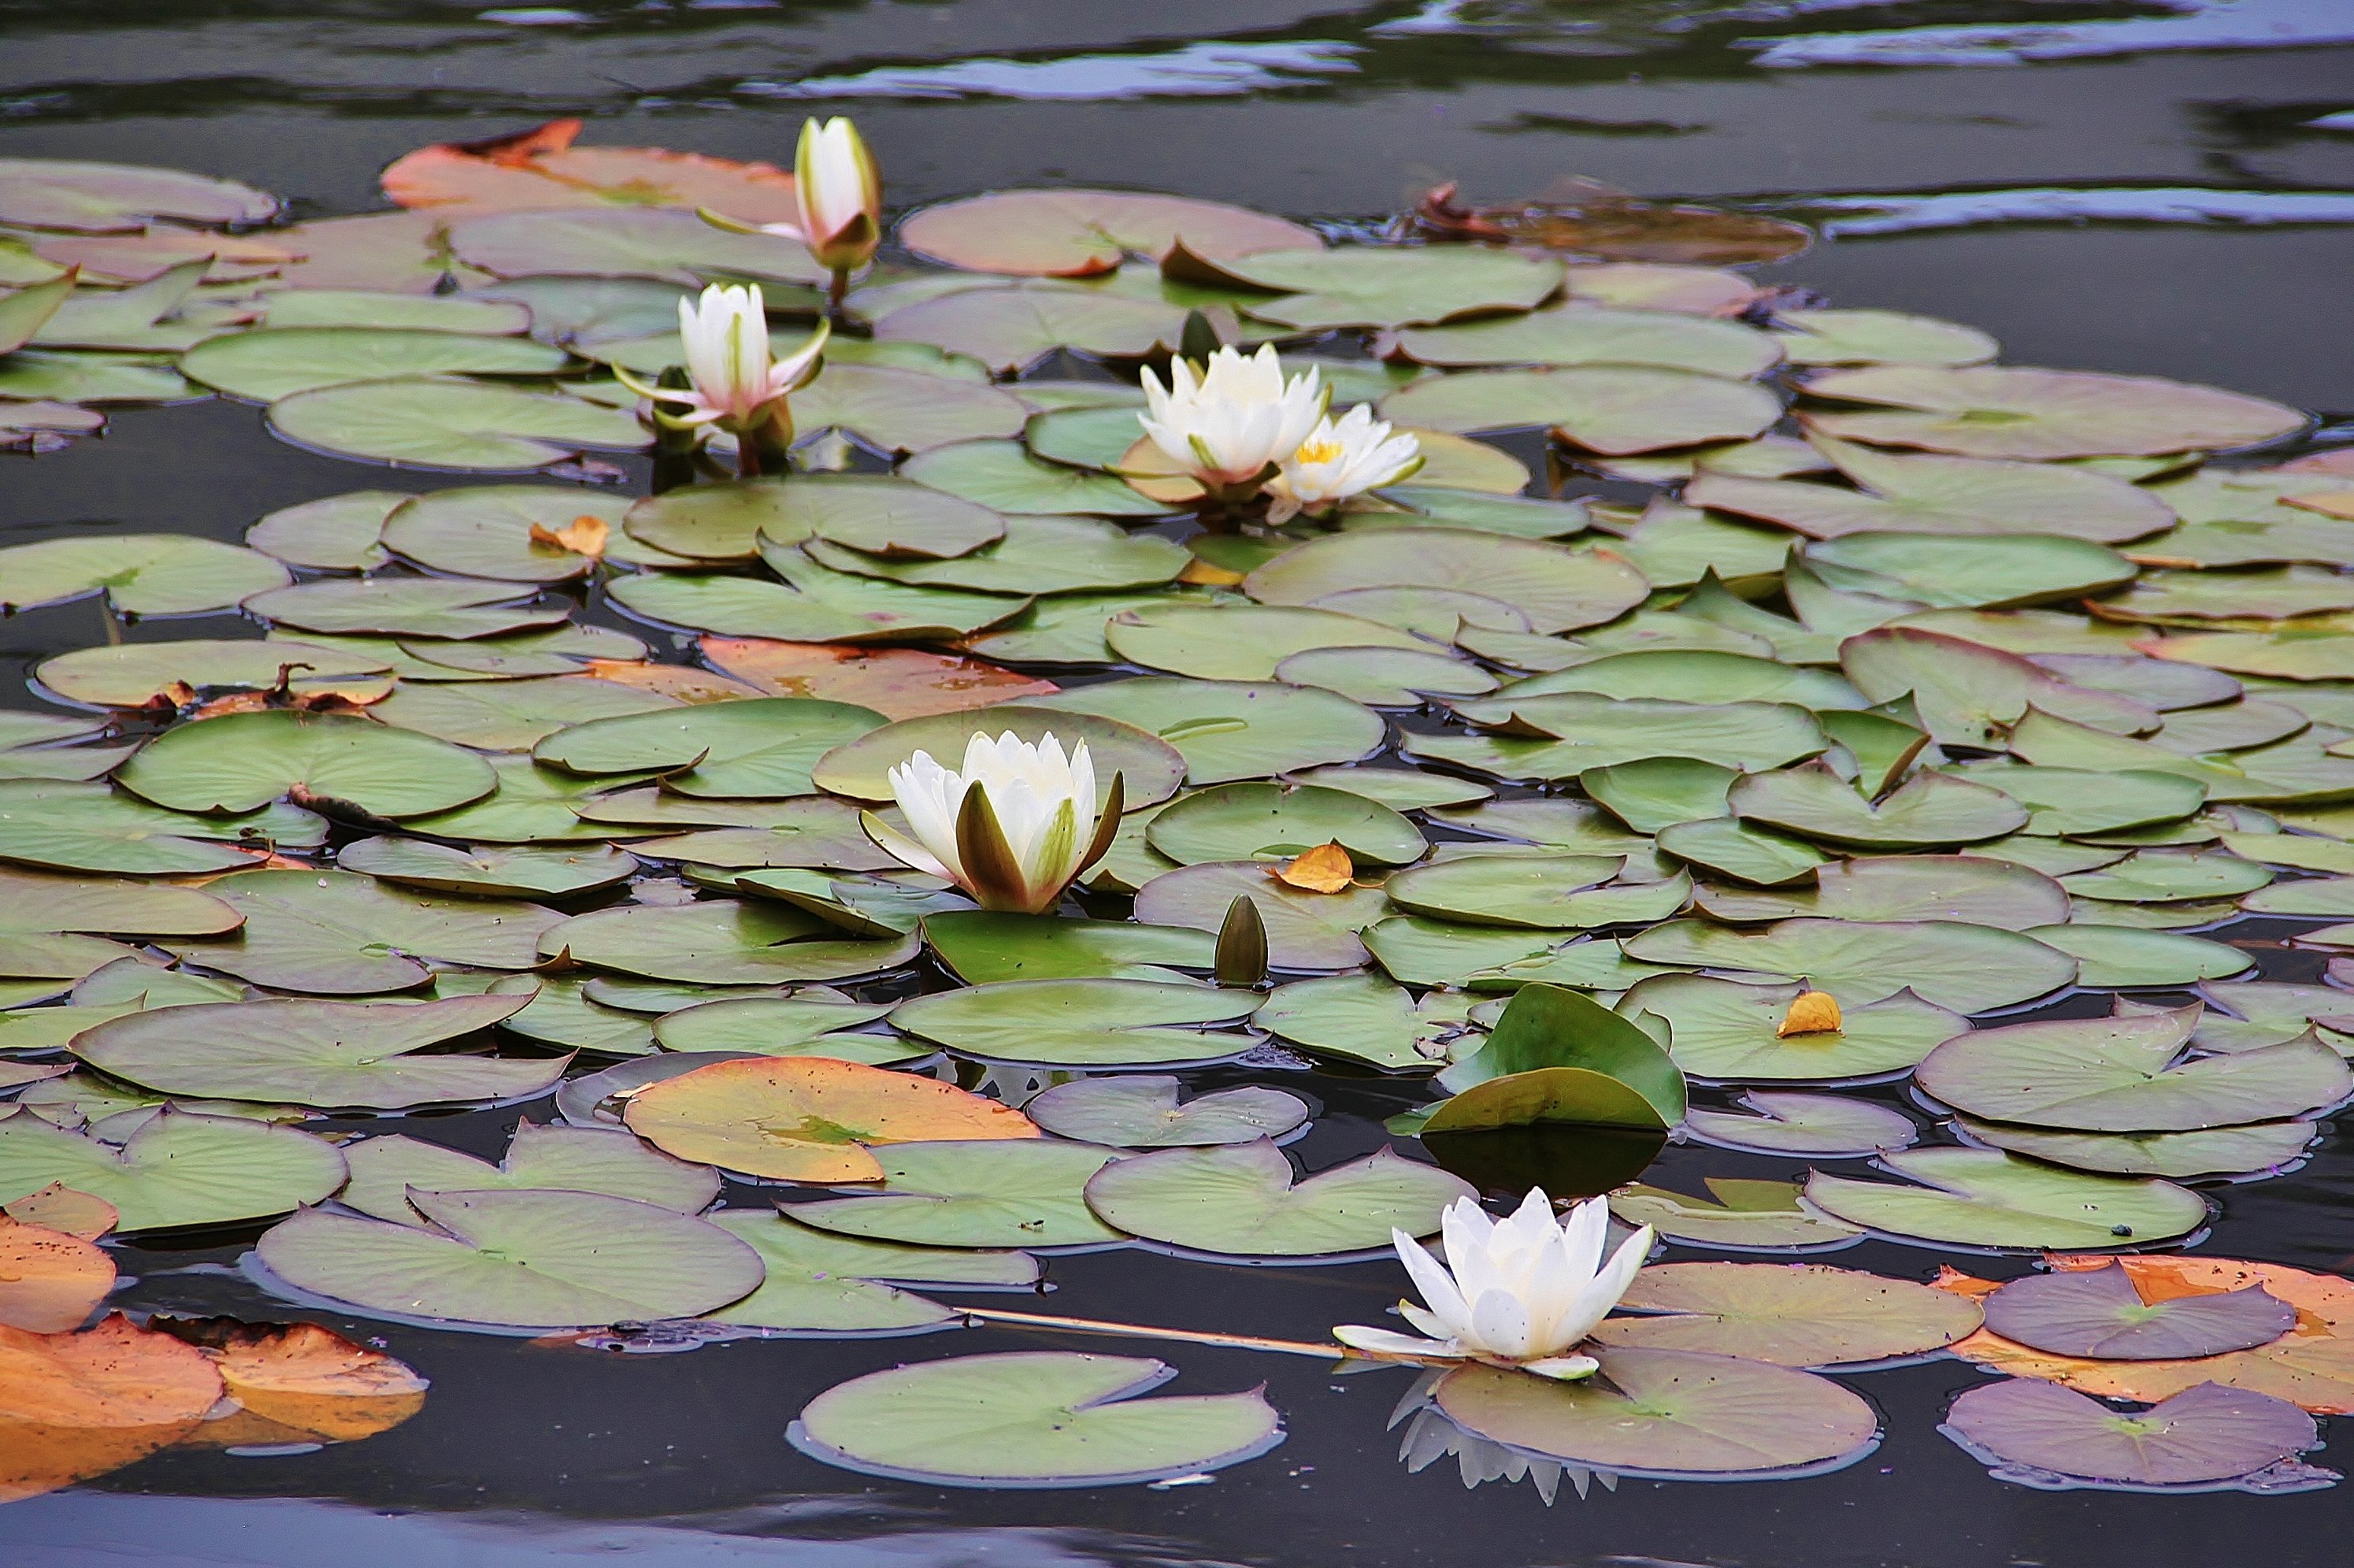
(839, 194)
(1013, 827)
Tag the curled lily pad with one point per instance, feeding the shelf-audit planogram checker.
(1976, 1197)
(2206, 1434)
(1790, 1315)
(326, 1054)
(1006, 1193)
(2123, 1075)
(386, 1169)
(1082, 1022)
(2099, 1313)
(1557, 1057)
(1144, 1112)
(1821, 1124)
(1668, 1414)
(1031, 1419)
(1243, 1199)
(177, 1169)
(525, 1260)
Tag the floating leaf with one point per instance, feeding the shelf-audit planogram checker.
(722, 943)
(1001, 1192)
(1821, 1125)
(2005, 412)
(1305, 930)
(1928, 810)
(99, 198)
(985, 946)
(276, 362)
(521, 1259)
(1239, 642)
(1980, 891)
(385, 1170)
(140, 574)
(1668, 1414)
(827, 1284)
(1613, 410)
(803, 1025)
(177, 1169)
(2202, 1434)
(1076, 233)
(453, 424)
(1143, 1112)
(1581, 333)
(50, 1282)
(809, 1118)
(1226, 730)
(1789, 1315)
(2228, 1151)
(1985, 1198)
(898, 683)
(1243, 1199)
(79, 1406)
(1745, 1216)
(762, 747)
(2098, 1313)
(541, 167)
(1370, 286)
(1969, 968)
(1878, 337)
(1031, 1419)
(1082, 1022)
(335, 932)
(1555, 587)
(243, 761)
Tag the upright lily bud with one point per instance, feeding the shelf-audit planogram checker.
(739, 385)
(839, 194)
(1013, 827)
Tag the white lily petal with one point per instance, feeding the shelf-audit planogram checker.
(1499, 1323)
(1562, 1369)
(1364, 1338)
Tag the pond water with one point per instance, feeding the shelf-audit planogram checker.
(2154, 189)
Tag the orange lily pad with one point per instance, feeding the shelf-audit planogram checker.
(2312, 1365)
(59, 1207)
(49, 1281)
(900, 683)
(136, 258)
(542, 168)
(684, 682)
(809, 1118)
(78, 1405)
(308, 1382)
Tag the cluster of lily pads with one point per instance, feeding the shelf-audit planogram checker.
(1838, 693)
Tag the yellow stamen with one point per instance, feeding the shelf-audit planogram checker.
(1317, 451)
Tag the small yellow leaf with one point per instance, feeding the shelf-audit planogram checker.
(1324, 869)
(584, 536)
(1201, 574)
(1811, 1012)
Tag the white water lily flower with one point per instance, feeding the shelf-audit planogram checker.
(1238, 418)
(1522, 1292)
(839, 194)
(1013, 827)
(739, 385)
(1340, 460)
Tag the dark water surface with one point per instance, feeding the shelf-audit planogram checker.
(525, 1455)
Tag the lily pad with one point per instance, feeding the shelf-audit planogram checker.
(100, 198)
(1929, 811)
(1368, 286)
(1144, 1112)
(1000, 1193)
(1967, 572)
(1979, 891)
(1305, 929)
(325, 1053)
(1667, 1413)
(1556, 588)
(1358, 1019)
(1987, 1198)
(1078, 233)
(1612, 410)
(1729, 1030)
(1826, 1126)
(1540, 890)
(140, 574)
(722, 942)
(1226, 730)
(2098, 1313)
(1582, 333)
(91, 827)
(335, 932)
(1786, 1314)
(1082, 1022)
(784, 1026)
(1240, 642)
(450, 423)
(385, 1170)
(510, 715)
(983, 948)
(177, 1169)
(130, 675)
(1036, 554)
(536, 1260)
(2122, 1075)
(2203, 1435)
(1243, 1199)
(1004, 477)
(2006, 413)
(822, 1284)
(409, 608)
(1244, 821)
(1740, 1216)
(1969, 968)
(759, 746)
(1031, 1419)
(275, 362)
(2227, 1150)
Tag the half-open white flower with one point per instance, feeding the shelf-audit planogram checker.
(1013, 827)
(1339, 460)
(739, 384)
(1229, 427)
(1522, 1291)
(838, 192)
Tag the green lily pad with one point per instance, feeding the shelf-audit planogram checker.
(1967, 695)
(2005, 412)
(91, 827)
(1305, 930)
(1541, 891)
(409, 607)
(178, 1169)
(1004, 477)
(1667, 1413)
(1579, 333)
(1239, 642)
(1144, 1112)
(813, 604)
(1878, 337)
(1605, 409)
(326, 1054)
(1254, 820)
(1786, 1315)
(1969, 968)
(523, 871)
(1904, 887)
(1385, 677)
(1367, 286)
(1695, 676)
(560, 1013)
(539, 1159)
(275, 362)
(785, 1026)
(1419, 951)
(983, 948)
(2226, 1151)
(140, 574)
(1011, 327)
(65, 376)
(1927, 812)
(1357, 1019)
(721, 942)
(1000, 1192)
(1733, 849)
(1966, 572)
(332, 932)
(1567, 734)
(1226, 730)
(1083, 1022)
(1973, 1197)
(98, 198)
(1031, 1419)
(243, 761)
(531, 804)
(450, 423)
(2082, 800)
(830, 1284)
(511, 716)
(624, 242)
(1727, 1030)
(2170, 876)
(761, 746)
(1558, 1056)
(1555, 587)
(1400, 789)
(1036, 554)
(128, 675)
(1149, 768)
(1079, 233)
(537, 1260)
(1824, 1126)
(1741, 1216)
(1242, 1200)
(2126, 1075)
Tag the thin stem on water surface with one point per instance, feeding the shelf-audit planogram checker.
(1330, 1352)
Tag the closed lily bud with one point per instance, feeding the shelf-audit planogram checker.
(839, 194)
